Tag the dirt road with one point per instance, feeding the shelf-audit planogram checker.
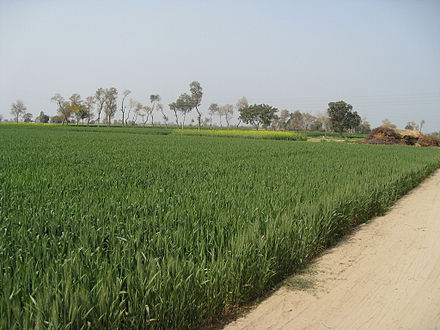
(386, 275)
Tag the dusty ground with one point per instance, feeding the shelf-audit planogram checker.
(386, 275)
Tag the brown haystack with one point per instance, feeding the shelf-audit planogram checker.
(388, 135)
(383, 135)
(429, 141)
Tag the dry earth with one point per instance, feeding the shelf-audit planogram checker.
(386, 275)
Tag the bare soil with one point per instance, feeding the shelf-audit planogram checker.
(385, 275)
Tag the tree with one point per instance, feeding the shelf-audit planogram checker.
(131, 106)
(196, 96)
(100, 101)
(147, 113)
(308, 120)
(324, 121)
(88, 107)
(164, 117)
(77, 107)
(276, 122)
(342, 117)
(1, 117)
(110, 105)
(284, 116)
(57, 119)
(18, 109)
(173, 107)
(27, 117)
(363, 128)
(184, 104)
(213, 109)
(64, 109)
(138, 112)
(228, 111)
(154, 100)
(296, 121)
(258, 114)
(125, 93)
(42, 118)
(241, 104)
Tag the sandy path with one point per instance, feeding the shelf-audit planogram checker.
(386, 275)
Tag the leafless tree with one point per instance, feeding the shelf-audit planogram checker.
(18, 109)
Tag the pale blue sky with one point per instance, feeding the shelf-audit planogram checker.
(383, 57)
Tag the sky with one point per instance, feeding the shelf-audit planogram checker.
(383, 57)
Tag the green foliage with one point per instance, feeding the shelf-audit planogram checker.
(342, 117)
(257, 114)
(42, 118)
(105, 229)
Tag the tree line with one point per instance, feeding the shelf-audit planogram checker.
(102, 107)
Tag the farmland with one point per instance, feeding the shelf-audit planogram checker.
(103, 228)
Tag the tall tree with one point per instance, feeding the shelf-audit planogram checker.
(296, 121)
(88, 106)
(111, 96)
(64, 109)
(164, 116)
(125, 93)
(213, 109)
(196, 96)
(342, 117)
(324, 121)
(173, 107)
(154, 100)
(241, 104)
(131, 106)
(18, 109)
(100, 101)
(284, 117)
(138, 112)
(228, 111)
(308, 120)
(184, 104)
(77, 107)
(258, 114)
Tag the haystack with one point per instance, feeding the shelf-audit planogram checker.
(388, 135)
(383, 135)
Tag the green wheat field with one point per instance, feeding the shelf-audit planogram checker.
(137, 228)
